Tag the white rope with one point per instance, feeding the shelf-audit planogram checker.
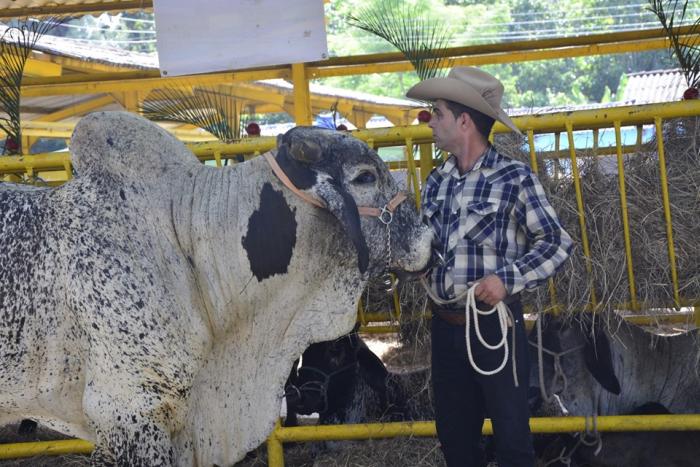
(505, 320)
(559, 374)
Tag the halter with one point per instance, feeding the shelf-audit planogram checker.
(558, 369)
(317, 386)
(385, 214)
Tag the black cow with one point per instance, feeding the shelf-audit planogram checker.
(645, 449)
(345, 382)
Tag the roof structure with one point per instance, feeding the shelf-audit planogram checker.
(61, 57)
(36, 8)
(647, 87)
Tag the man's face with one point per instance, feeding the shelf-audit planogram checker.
(445, 127)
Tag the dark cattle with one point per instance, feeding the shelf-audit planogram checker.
(345, 382)
(611, 373)
(643, 449)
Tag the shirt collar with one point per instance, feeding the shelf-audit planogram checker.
(487, 160)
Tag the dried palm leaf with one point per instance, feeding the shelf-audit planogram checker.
(16, 44)
(422, 39)
(209, 109)
(686, 48)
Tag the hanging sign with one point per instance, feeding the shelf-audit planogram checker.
(217, 35)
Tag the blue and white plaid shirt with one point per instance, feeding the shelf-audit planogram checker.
(494, 218)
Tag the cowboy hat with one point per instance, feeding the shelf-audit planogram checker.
(467, 86)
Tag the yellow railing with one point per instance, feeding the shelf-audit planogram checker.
(282, 435)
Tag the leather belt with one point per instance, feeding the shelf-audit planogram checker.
(454, 314)
(451, 317)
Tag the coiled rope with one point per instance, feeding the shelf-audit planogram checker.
(471, 315)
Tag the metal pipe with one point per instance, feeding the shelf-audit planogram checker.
(45, 448)
(608, 423)
(581, 212)
(625, 216)
(667, 209)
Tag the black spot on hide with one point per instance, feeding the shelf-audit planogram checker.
(271, 236)
(122, 195)
(110, 142)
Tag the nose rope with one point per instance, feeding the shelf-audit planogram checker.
(559, 374)
(320, 386)
(505, 320)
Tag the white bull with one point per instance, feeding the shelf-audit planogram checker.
(155, 305)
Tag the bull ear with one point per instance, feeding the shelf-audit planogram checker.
(598, 358)
(296, 159)
(343, 207)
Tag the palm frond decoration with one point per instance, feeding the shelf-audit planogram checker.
(685, 48)
(422, 39)
(209, 109)
(16, 44)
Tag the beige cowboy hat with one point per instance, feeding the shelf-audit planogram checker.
(468, 86)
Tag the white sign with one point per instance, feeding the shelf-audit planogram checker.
(217, 35)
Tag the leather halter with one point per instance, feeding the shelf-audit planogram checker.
(385, 214)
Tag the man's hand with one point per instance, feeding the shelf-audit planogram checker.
(490, 290)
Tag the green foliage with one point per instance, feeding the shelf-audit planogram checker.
(687, 49)
(528, 84)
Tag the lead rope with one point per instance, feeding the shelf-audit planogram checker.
(505, 320)
(559, 374)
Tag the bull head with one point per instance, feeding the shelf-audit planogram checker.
(302, 153)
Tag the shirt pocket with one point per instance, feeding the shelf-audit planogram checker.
(481, 221)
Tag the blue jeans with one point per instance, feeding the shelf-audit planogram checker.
(463, 397)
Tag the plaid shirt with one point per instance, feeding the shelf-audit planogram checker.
(494, 218)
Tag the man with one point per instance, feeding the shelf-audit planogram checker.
(496, 230)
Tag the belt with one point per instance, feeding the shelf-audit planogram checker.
(454, 315)
(451, 317)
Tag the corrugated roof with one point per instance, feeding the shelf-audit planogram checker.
(648, 87)
(89, 52)
(643, 87)
(344, 93)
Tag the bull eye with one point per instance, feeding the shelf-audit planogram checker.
(365, 178)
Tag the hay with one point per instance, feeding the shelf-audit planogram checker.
(603, 214)
(371, 453)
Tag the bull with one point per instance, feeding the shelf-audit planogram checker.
(154, 305)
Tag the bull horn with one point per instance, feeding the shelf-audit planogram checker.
(305, 151)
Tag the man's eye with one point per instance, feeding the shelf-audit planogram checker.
(364, 178)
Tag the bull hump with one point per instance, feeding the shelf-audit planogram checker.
(124, 143)
(271, 236)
